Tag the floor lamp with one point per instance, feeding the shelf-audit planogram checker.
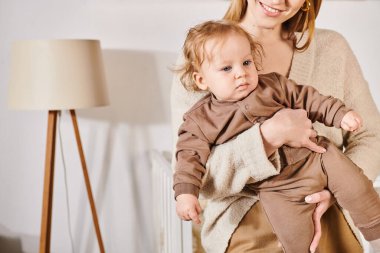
(58, 75)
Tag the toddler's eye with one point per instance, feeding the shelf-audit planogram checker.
(227, 68)
(247, 62)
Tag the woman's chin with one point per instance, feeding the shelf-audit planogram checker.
(267, 25)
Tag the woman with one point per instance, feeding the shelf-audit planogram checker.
(233, 219)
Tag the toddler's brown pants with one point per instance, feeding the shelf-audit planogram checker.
(282, 196)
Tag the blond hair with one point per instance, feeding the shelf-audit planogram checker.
(302, 21)
(194, 52)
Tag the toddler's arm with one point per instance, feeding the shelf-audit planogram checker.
(325, 109)
(192, 153)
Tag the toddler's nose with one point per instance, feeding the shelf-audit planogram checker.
(240, 73)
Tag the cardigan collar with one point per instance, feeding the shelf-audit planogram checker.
(302, 63)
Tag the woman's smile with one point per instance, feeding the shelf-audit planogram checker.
(270, 11)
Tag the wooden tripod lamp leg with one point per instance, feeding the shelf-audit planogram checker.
(87, 181)
(47, 204)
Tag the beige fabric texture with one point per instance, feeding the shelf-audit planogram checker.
(331, 67)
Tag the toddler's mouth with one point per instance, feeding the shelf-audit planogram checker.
(242, 85)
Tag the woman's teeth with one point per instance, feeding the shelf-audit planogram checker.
(269, 8)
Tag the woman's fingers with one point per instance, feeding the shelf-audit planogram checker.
(317, 197)
(314, 147)
(324, 200)
(317, 232)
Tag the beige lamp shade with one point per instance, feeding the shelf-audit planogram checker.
(57, 75)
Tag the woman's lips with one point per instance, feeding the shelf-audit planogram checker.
(270, 11)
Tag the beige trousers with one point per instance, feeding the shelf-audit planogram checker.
(255, 235)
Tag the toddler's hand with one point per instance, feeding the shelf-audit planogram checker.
(351, 121)
(188, 208)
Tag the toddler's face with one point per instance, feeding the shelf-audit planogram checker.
(228, 70)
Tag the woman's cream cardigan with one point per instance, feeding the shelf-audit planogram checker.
(330, 66)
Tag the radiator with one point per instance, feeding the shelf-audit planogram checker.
(171, 234)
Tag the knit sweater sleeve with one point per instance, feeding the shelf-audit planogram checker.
(362, 146)
(243, 156)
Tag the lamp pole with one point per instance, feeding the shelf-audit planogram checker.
(87, 181)
(47, 203)
(47, 206)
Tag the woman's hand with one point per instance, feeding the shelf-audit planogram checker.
(324, 200)
(289, 127)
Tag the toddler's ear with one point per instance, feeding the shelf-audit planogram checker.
(199, 81)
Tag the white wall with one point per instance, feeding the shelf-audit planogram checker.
(359, 23)
(140, 40)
